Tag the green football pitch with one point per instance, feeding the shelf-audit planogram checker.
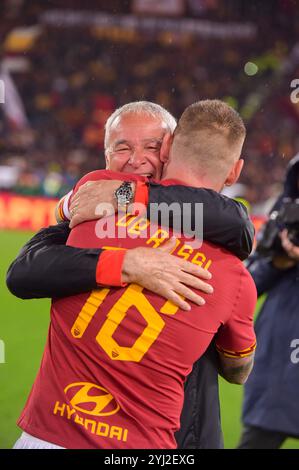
(23, 329)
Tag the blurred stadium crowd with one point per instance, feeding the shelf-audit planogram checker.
(71, 78)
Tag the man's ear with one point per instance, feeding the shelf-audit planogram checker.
(234, 173)
(165, 147)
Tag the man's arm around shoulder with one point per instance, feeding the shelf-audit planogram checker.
(46, 267)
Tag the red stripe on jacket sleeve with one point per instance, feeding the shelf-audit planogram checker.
(109, 268)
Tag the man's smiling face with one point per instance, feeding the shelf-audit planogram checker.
(134, 145)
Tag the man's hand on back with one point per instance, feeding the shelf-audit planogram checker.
(93, 200)
(155, 269)
(166, 275)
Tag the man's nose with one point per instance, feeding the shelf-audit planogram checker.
(137, 158)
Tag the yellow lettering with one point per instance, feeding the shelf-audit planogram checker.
(58, 408)
(125, 436)
(132, 296)
(115, 431)
(92, 423)
(102, 429)
(79, 420)
(208, 264)
(88, 311)
(139, 226)
(22, 212)
(169, 308)
(158, 238)
(185, 252)
(126, 220)
(70, 411)
(199, 259)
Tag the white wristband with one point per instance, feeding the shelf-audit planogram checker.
(65, 206)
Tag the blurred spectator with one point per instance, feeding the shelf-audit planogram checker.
(77, 76)
(271, 407)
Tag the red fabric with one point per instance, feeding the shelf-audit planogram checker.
(141, 193)
(172, 182)
(109, 268)
(113, 376)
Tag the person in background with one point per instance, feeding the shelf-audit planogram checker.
(271, 407)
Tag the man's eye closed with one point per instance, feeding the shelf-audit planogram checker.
(153, 148)
(122, 149)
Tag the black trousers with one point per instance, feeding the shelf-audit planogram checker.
(258, 438)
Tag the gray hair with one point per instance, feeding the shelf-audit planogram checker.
(140, 107)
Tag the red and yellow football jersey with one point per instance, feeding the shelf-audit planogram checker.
(113, 371)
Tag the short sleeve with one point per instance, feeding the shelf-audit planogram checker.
(236, 338)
